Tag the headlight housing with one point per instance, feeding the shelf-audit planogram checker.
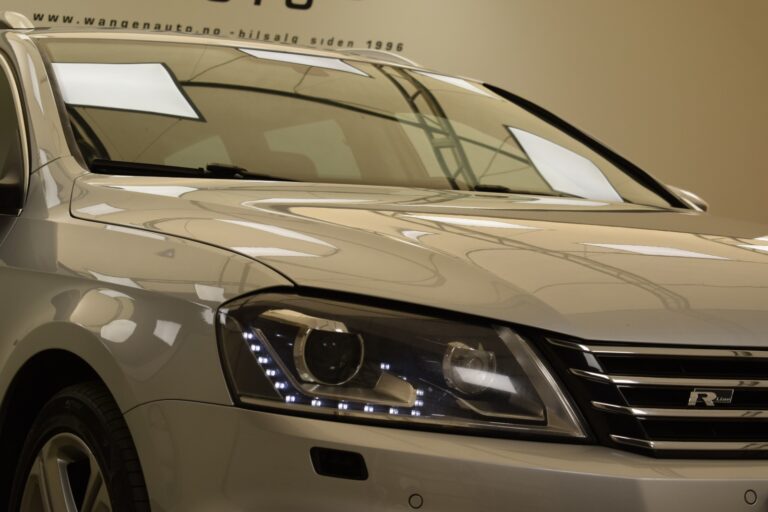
(349, 360)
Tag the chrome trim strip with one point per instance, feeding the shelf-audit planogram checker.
(631, 350)
(297, 319)
(569, 344)
(593, 376)
(631, 441)
(651, 412)
(561, 414)
(630, 380)
(692, 445)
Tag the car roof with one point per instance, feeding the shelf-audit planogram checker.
(355, 54)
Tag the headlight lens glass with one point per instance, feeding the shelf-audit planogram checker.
(323, 356)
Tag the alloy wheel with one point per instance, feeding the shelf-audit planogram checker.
(65, 477)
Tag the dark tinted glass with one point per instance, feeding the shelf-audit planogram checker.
(11, 159)
(318, 118)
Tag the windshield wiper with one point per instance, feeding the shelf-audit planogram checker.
(234, 172)
(213, 170)
(485, 187)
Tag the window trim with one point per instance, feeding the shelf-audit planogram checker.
(641, 176)
(8, 71)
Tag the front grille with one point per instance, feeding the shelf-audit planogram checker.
(670, 401)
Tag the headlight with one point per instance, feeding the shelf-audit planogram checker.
(322, 356)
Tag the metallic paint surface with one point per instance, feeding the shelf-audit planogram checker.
(663, 277)
(262, 458)
(127, 274)
(138, 307)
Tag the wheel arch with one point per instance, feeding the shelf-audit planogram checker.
(38, 379)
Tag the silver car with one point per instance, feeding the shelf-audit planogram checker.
(236, 276)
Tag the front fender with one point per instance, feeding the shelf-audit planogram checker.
(138, 307)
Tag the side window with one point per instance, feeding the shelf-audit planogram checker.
(11, 151)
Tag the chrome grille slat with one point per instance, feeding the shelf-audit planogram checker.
(630, 350)
(687, 446)
(644, 412)
(672, 399)
(630, 380)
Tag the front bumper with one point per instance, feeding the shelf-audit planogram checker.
(201, 457)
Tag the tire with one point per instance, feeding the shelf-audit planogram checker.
(82, 426)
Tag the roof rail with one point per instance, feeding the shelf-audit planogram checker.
(381, 55)
(12, 20)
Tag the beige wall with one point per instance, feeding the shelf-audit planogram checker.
(678, 86)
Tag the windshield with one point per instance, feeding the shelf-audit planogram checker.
(316, 118)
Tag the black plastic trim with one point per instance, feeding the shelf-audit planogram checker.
(338, 463)
(619, 161)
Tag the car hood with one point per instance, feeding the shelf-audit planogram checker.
(593, 270)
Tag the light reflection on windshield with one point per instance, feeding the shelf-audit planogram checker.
(134, 87)
(460, 83)
(312, 61)
(320, 119)
(583, 178)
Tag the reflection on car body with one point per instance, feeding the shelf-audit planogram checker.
(230, 270)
